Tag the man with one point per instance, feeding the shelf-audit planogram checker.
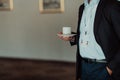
(98, 40)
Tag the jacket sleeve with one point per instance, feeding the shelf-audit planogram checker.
(73, 41)
(114, 17)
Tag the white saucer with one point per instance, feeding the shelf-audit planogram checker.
(66, 35)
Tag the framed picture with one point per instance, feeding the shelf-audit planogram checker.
(6, 5)
(51, 6)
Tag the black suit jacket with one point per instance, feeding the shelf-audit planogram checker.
(107, 35)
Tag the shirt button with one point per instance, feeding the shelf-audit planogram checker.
(85, 32)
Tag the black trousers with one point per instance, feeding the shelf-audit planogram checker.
(94, 71)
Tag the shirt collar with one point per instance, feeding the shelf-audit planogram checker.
(92, 2)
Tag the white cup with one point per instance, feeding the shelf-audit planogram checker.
(66, 30)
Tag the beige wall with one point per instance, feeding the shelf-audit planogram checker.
(25, 33)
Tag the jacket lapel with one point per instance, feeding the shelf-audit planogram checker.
(98, 15)
(79, 17)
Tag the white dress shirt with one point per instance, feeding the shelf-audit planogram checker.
(89, 48)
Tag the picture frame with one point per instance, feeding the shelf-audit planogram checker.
(6, 5)
(51, 6)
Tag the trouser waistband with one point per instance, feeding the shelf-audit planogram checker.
(88, 60)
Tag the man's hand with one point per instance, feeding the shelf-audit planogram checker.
(109, 71)
(65, 38)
